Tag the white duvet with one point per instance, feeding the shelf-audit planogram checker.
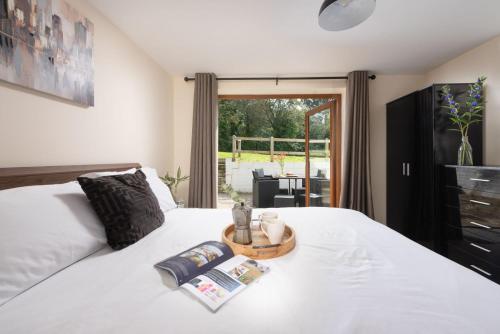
(348, 274)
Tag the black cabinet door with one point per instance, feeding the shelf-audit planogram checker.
(424, 211)
(400, 163)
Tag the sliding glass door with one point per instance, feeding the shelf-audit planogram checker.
(323, 154)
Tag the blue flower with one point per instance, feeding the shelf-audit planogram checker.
(478, 96)
(474, 103)
(452, 102)
(454, 111)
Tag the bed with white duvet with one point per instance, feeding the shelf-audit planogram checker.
(347, 274)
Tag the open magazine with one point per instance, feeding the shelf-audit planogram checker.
(212, 273)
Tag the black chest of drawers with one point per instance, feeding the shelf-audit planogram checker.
(471, 213)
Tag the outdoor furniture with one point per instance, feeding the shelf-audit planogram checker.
(263, 190)
(259, 173)
(321, 173)
(284, 191)
(290, 178)
(284, 201)
(302, 200)
(320, 185)
(319, 189)
(296, 193)
(314, 200)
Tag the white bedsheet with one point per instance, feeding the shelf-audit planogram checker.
(348, 274)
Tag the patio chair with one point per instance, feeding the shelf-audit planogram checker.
(264, 188)
(259, 173)
(296, 193)
(284, 201)
(320, 184)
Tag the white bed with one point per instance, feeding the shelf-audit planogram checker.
(348, 274)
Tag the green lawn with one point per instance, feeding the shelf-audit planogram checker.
(255, 157)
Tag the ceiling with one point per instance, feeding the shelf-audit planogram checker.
(282, 37)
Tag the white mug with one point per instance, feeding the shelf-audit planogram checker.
(267, 215)
(273, 229)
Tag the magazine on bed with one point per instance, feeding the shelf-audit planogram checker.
(212, 273)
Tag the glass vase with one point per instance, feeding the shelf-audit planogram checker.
(465, 153)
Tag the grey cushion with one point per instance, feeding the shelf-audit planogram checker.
(284, 201)
(126, 206)
(260, 172)
(321, 173)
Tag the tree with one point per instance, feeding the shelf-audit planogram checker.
(281, 118)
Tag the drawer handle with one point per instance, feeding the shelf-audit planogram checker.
(481, 248)
(480, 180)
(481, 270)
(479, 202)
(480, 225)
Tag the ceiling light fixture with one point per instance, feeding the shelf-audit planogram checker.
(336, 15)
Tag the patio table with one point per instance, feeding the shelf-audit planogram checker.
(290, 178)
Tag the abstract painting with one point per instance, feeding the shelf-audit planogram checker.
(46, 45)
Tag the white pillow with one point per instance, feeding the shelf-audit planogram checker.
(160, 189)
(44, 229)
(99, 174)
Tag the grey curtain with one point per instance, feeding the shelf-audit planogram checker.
(203, 182)
(356, 186)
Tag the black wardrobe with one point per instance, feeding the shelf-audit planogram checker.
(418, 142)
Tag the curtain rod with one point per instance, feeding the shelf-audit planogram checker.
(277, 79)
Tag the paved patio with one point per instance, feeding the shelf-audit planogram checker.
(225, 202)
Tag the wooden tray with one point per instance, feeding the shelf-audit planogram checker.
(260, 248)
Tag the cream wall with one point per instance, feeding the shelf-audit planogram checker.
(142, 114)
(132, 120)
(483, 60)
(183, 108)
(382, 90)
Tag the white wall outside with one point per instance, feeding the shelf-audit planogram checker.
(239, 174)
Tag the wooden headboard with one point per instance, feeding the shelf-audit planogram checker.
(31, 176)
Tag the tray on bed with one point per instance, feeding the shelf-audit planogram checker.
(260, 248)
